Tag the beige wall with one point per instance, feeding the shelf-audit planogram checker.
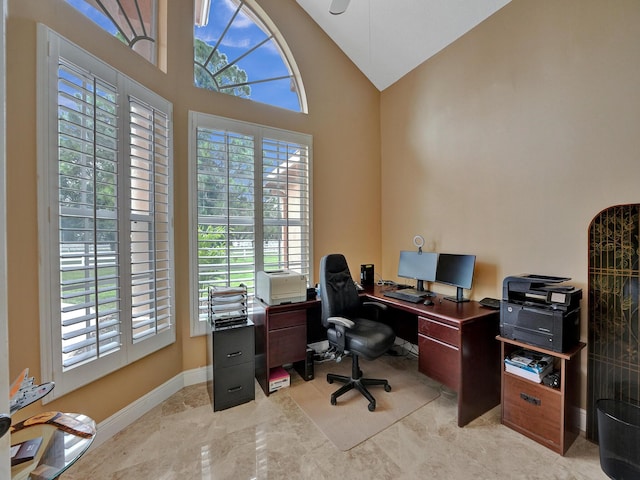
(343, 119)
(507, 143)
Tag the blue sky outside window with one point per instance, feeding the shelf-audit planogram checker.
(234, 51)
(246, 57)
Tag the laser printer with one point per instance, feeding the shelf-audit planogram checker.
(541, 310)
(276, 287)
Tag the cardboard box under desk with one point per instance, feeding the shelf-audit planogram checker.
(278, 378)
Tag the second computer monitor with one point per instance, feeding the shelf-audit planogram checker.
(456, 270)
(420, 266)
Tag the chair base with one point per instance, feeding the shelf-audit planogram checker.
(358, 382)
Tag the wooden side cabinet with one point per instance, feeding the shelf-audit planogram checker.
(231, 365)
(545, 414)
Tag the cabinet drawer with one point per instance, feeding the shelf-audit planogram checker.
(233, 386)
(532, 407)
(233, 346)
(287, 345)
(287, 319)
(439, 331)
(439, 361)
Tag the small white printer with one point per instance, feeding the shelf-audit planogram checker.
(281, 286)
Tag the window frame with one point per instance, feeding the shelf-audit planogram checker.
(106, 19)
(259, 132)
(261, 20)
(52, 47)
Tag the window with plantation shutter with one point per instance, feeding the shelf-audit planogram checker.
(105, 211)
(88, 216)
(285, 200)
(251, 205)
(150, 230)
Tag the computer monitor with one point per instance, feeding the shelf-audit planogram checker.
(420, 266)
(457, 270)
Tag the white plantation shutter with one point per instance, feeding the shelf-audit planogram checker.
(88, 212)
(105, 208)
(286, 206)
(226, 208)
(150, 221)
(251, 205)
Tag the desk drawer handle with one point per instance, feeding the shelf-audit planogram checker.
(234, 354)
(234, 389)
(528, 398)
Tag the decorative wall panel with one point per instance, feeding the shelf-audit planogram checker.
(613, 361)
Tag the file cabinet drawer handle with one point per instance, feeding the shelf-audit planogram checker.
(234, 389)
(530, 399)
(234, 354)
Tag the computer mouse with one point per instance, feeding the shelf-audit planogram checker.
(428, 302)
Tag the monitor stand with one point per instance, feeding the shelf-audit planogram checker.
(459, 298)
(420, 288)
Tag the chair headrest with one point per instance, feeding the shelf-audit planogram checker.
(335, 263)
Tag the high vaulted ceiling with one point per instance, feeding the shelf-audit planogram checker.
(386, 39)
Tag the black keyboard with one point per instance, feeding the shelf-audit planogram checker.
(407, 297)
(490, 303)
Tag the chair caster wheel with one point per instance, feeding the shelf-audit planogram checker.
(387, 388)
(333, 401)
(372, 406)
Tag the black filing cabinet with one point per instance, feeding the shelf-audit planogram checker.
(231, 365)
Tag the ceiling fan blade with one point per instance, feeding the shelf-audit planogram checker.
(338, 6)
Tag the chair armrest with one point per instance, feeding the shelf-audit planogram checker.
(345, 322)
(341, 325)
(378, 305)
(374, 309)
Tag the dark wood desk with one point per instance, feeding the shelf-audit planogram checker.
(456, 342)
(457, 347)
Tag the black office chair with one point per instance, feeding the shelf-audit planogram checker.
(348, 330)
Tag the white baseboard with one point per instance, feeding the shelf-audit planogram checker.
(129, 414)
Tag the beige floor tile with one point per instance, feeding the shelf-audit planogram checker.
(271, 438)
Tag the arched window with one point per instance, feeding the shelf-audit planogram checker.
(239, 51)
(134, 22)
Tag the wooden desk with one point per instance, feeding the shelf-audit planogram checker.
(457, 347)
(457, 343)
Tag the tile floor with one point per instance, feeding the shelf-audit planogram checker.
(271, 438)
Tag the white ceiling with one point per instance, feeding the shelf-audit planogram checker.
(386, 39)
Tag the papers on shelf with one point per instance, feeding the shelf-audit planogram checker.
(521, 372)
(529, 360)
(528, 364)
(227, 291)
(227, 305)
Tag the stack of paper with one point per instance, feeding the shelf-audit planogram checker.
(528, 364)
(227, 305)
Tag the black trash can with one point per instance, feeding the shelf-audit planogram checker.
(619, 438)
